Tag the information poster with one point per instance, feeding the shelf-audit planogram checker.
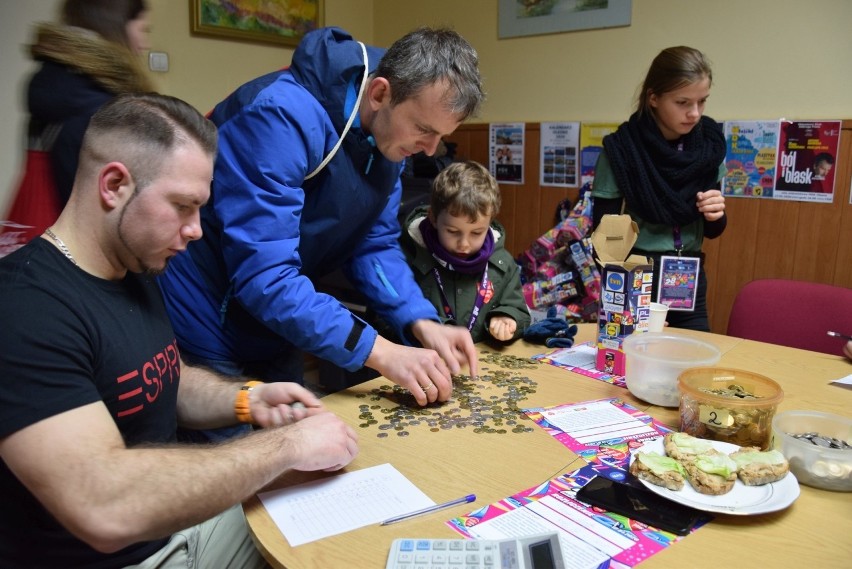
(806, 155)
(507, 152)
(560, 143)
(752, 148)
(591, 145)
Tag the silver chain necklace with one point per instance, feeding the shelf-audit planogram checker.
(61, 245)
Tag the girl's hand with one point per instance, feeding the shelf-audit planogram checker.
(711, 203)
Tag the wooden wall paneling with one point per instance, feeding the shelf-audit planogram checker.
(528, 196)
(843, 189)
(508, 216)
(815, 246)
(735, 265)
(711, 262)
(777, 230)
(471, 142)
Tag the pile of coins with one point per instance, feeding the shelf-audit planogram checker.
(488, 403)
(822, 441)
(733, 390)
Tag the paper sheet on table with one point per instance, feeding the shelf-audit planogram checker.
(844, 382)
(348, 501)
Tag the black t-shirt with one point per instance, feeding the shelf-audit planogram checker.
(68, 339)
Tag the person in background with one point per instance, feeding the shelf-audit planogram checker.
(664, 166)
(92, 387)
(455, 248)
(308, 181)
(847, 349)
(86, 60)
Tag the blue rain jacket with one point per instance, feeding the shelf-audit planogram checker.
(244, 292)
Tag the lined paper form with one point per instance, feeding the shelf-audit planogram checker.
(348, 501)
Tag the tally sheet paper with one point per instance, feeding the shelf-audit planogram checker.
(322, 508)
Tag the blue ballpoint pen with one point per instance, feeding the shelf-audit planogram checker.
(466, 500)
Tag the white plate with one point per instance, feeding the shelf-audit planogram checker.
(742, 500)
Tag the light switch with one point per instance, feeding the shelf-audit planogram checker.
(158, 61)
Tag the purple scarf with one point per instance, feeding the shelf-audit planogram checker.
(471, 266)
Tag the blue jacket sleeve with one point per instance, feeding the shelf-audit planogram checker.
(265, 152)
(381, 273)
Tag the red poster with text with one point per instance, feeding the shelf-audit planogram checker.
(806, 154)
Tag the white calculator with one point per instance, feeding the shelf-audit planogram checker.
(541, 551)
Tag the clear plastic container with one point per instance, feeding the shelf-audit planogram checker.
(821, 467)
(654, 361)
(710, 409)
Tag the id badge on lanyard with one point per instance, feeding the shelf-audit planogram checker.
(678, 286)
(678, 282)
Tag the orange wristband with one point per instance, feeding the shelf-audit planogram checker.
(242, 407)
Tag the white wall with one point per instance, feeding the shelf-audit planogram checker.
(16, 18)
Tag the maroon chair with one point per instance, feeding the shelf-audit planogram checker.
(793, 313)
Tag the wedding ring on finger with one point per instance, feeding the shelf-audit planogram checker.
(427, 388)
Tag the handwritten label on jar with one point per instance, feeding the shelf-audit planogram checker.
(714, 416)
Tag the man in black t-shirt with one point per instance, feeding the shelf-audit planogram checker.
(91, 383)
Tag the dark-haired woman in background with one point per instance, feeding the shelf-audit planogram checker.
(86, 60)
(663, 167)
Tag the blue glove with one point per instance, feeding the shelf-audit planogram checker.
(554, 331)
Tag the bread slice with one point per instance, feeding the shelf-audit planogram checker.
(684, 447)
(657, 469)
(712, 474)
(756, 468)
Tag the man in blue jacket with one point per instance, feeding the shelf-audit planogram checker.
(307, 181)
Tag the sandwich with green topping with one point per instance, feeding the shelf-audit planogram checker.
(712, 474)
(685, 448)
(657, 469)
(756, 468)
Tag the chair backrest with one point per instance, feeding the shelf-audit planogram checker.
(792, 313)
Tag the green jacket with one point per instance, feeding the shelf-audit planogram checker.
(460, 289)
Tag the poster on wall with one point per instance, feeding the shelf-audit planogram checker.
(752, 147)
(507, 152)
(805, 166)
(560, 143)
(591, 145)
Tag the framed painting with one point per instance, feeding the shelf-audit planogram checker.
(534, 17)
(267, 21)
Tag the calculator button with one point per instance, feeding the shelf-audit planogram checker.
(456, 544)
(439, 545)
(406, 545)
(471, 545)
(488, 559)
(439, 559)
(456, 559)
(472, 559)
(424, 545)
(404, 557)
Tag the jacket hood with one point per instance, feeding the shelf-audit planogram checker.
(81, 55)
(412, 227)
(326, 62)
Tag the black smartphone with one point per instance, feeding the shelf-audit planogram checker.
(641, 505)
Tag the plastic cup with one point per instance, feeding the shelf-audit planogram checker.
(657, 319)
